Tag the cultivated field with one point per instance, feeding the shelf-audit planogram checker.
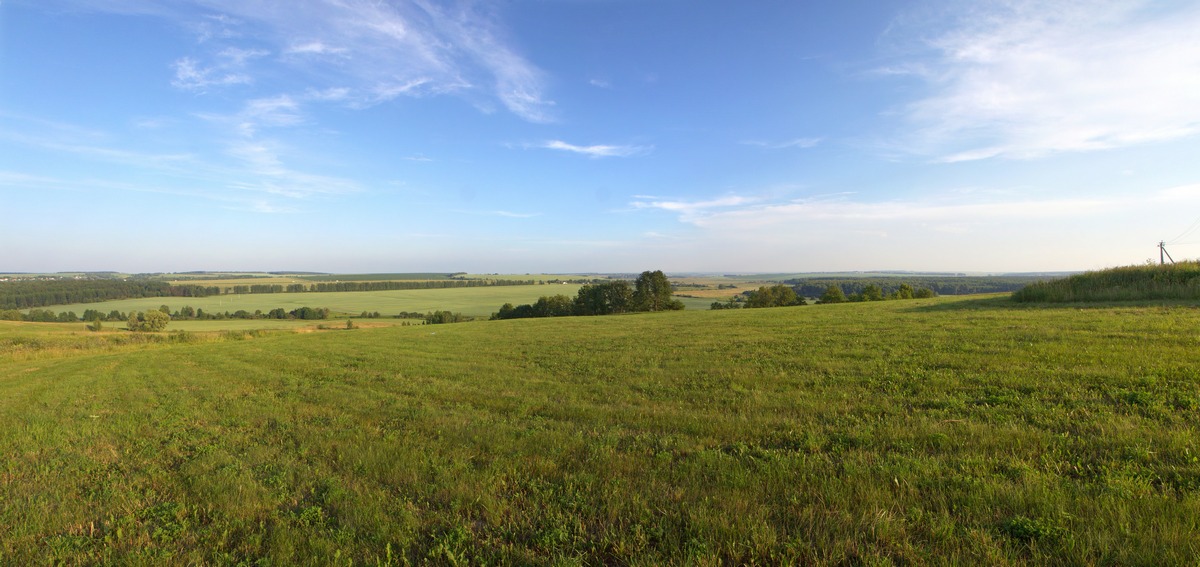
(478, 302)
(952, 430)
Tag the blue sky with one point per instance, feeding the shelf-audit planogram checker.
(597, 135)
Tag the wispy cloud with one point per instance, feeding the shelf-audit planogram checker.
(735, 212)
(505, 214)
(228, 68)
(597, 151)
(802, 143)
(1023, 79)
(694, 211)
(377, 50)
(275, 111)
(315, 48)
(191, 75)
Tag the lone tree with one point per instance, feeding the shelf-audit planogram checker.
(652, 292)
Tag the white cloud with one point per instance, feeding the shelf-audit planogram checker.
(597, 151)
(802, 143)
(332, 94)
(378, 50)
(1024, 79)
(736, 212)
(266, 172)
(235, 57)
(982, 231)
(190, 75)
(693, 211)
(505, 214)
(277, 111)
(316, 48)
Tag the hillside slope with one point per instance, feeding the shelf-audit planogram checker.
(950, 430)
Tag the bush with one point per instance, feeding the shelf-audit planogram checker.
(151, 321)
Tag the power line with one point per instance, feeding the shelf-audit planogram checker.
(1189, 230)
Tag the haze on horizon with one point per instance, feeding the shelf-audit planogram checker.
(597, 136)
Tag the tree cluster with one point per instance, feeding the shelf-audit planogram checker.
(443, 317)
(774, 296)
(651, 291)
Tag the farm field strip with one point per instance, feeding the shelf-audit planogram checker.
(470, 301)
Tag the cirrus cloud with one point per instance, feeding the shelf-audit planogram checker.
(597, 151)
(1023, 79)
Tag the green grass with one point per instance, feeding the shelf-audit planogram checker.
(1179, 281)
(945, 431)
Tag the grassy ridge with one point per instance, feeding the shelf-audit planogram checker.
(948, 430)
(1129, 283)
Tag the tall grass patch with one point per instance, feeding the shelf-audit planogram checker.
(1179, 281)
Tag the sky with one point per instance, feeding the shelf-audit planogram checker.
(552, 136)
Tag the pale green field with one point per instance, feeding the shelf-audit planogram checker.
(232, 281)
(471, 301)
(534, 277)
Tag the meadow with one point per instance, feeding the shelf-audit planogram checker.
(958, 430)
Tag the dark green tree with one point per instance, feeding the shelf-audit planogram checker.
(872, 292)
(652, 292)
(905, 291)
(833, 294)
(554, 306)
(606, 298)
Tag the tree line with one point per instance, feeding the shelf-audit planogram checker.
(945, 285)
(651, 291)
(871, 292)
(26, 294)
(785, 295)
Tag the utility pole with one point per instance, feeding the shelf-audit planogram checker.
(1162, 251)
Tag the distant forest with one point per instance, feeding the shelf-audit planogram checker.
(28, 294)
(941, 285)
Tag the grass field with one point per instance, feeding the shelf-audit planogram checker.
(943, 431)
(470, 301)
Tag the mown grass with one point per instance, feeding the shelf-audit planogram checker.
(946, 431)
(1128, 283)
